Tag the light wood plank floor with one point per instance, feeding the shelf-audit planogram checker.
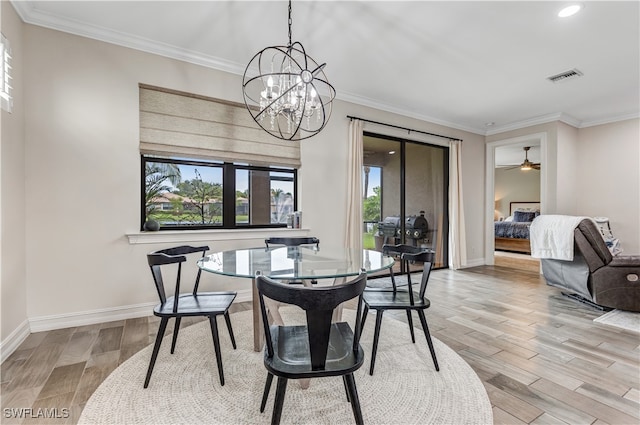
(539, 354)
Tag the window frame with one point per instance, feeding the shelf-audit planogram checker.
(228, 191)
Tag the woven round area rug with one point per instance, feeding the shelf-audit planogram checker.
(184, 387)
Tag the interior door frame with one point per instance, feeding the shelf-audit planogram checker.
(537, 138)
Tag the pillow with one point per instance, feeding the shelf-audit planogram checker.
(523, 216)
(510, 218)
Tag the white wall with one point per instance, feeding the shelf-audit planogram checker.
(13, 269)
(83, 171)
(568, 164)
(609, 176)
(515, 185)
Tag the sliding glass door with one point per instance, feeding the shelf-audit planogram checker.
(405, 195)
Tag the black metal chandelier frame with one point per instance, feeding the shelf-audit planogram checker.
(302, 91)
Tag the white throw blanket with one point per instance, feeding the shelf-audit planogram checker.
(551, 236)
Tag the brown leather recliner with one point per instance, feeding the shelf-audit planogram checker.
(594, 274)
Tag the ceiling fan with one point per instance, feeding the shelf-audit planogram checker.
(526, 164)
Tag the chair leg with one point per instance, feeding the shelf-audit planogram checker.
(376, 336)
(423, 320)
(365, 312)
(156, 348)
(281, 389)
(353, 396)
(176, 328)
(410, 321)
(265, 393)
(216, 346)
(346, 388)
(228, 320)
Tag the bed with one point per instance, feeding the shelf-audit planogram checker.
(512, 234)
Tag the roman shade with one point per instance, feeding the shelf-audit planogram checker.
(181, 124)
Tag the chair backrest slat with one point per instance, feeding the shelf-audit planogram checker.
(409, 253)
(176, 255)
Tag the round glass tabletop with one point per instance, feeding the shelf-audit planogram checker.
(295, 262)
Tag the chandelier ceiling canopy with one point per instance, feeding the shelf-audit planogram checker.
(286, 92)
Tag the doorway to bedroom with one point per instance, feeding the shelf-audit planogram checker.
(516, 202)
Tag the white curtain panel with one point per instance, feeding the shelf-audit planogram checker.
(353, 233)
(457, 239)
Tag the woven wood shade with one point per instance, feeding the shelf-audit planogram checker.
(181, 124)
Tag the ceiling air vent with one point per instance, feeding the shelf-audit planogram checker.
(564, 76)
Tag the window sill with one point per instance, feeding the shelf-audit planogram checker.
(181, 236)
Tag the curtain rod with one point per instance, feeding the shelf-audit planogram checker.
(404, 128)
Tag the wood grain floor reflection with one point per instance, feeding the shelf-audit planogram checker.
(540, 356)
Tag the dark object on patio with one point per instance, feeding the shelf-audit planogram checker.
(594, 275)
(381, 299)
(415, 227)
(319, 349)
(390, 227)
(209, 304)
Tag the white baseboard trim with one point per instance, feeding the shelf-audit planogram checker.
(13, 341)
(474, 263)
(82, 318)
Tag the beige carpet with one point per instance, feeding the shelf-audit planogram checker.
(184, 388)
(620, 319)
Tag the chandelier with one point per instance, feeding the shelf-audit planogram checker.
(286, 92)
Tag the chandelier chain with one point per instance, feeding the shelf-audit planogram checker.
(290, 22)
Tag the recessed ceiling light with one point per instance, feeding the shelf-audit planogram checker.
(489, 124)
(570, 10)
(392, 152)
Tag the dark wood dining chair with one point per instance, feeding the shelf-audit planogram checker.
(315, 350)
(208, 304)
(394, 298)
(292, 241)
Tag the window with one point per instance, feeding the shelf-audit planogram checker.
(5, 72)
(181, 193)
(372, 203)
(405, 186)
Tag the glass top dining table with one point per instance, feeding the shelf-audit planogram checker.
(293, 263)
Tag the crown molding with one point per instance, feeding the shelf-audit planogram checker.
(565, 118)
(24, 9)
(364, 101)
(630, 116)
(544, 119)
(30, 15)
